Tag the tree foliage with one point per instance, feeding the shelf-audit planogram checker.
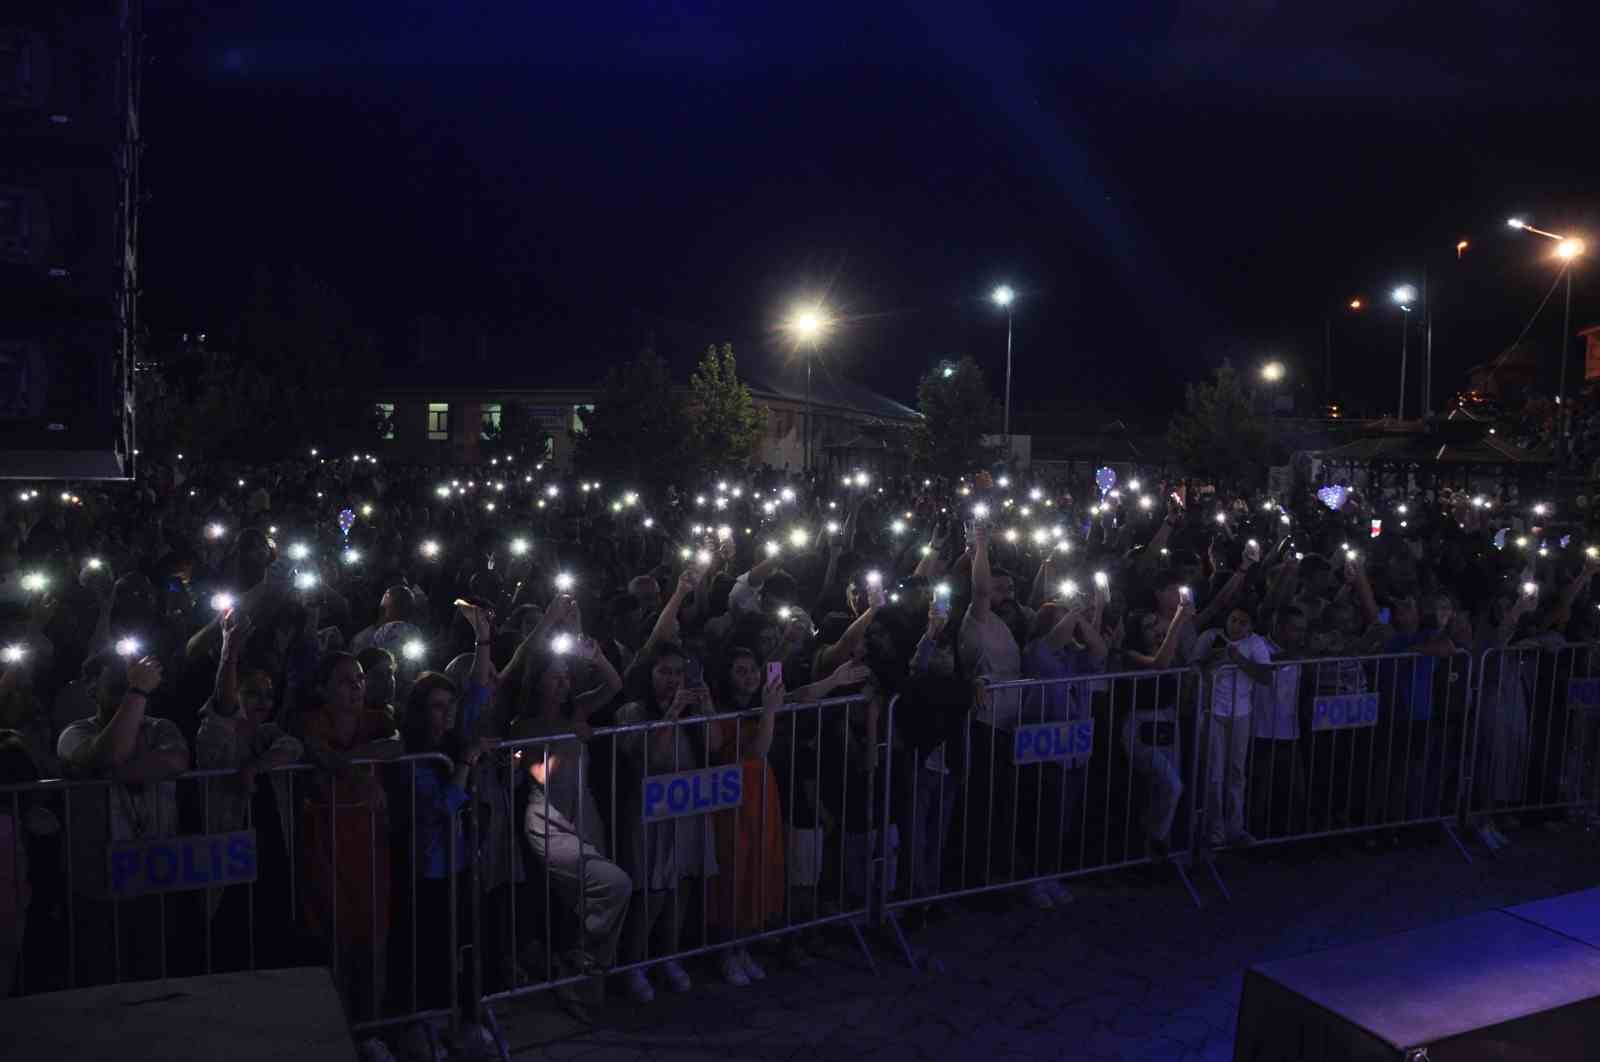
(293, 370)
(957, 411)
(725, 423)
(638, 428)
(1218, 431)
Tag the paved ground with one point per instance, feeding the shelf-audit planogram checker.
(1129, 971)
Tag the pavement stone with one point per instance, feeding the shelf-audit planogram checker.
(1130, 970)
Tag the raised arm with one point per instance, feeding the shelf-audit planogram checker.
(235, 627)
(585, 704)
(1230, 590)
(666, 628)
(116, 743)
(1356, 572)
(981, 583)
(830, 657)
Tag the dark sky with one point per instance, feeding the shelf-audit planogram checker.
(1165, 184)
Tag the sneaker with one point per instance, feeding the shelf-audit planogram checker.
(676, 976)
(1058, 892)
(375, 1050)
(638, 986)
(1039, 898)
(733, 969)
(752, 969)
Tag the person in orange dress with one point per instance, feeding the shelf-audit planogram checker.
(345, 860)
(748, 894)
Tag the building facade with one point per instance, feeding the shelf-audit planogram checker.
(454, 422)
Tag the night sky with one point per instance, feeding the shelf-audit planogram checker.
(1165, 185)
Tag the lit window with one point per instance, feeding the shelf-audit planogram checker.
(491, 421)
(384, 412)
(438, 420)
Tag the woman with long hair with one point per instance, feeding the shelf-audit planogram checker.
(748, 894)
(658, 856)
(439, 717)
(562, 823)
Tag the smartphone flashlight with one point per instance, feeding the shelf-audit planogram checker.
(565, 581)
(222, 602)
(412, 650)
(127, 646)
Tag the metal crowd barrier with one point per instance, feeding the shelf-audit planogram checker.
(1536, 742)
(1334, 746)
(112, 883)
(1060, 779)
(682, 807)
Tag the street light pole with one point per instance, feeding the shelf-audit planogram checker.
(1007, 425)
(809, 359)
(1405, 328)
(1403, 296)
(1003, 298)
(1561, 390)
(807, 324)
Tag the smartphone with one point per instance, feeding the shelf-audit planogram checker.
(696, 674)
(1383, 616)
(775, 672)
(941, 605)
(1377, 528)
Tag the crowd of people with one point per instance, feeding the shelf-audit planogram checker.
(355, 653)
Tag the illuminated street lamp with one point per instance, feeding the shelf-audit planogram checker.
(808, 324)
(1568, 250)
(1405, 296)
(1003, 297)
(1272, 373)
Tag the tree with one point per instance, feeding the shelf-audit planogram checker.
(291, 377)
(638, 428)
(725, 424)
(1218, 432)
(957, 411)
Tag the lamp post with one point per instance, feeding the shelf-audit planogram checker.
(1568, 250)
(1404, 296)
(1271, 373)
(807, 324)
(1003, 298)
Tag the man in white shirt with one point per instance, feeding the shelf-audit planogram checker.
(1277, 773)
(1237, 661)
(141, 756)
(989, 654)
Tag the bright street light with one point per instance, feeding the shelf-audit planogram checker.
(1003, 295)
(1356, 304)
(1569, 248)
(1405, 295)
(808, 324)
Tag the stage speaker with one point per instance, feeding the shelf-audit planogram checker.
(68, 237)
(1492, 986)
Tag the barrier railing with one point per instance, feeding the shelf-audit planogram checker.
(658, 840)
(1055, 779)
(214, 871)
(1322, 747)
(1539, 727)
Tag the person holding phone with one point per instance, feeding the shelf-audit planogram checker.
(660, 856)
